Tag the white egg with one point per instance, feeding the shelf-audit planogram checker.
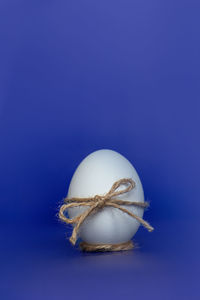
(95, 176)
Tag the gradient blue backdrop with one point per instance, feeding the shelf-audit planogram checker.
(77, 76)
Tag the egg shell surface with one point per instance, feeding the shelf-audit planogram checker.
(95, 176)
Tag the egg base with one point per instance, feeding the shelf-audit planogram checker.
(106, 247)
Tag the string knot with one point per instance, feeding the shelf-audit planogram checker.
(100, 201)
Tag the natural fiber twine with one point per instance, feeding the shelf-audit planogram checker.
(85, 247)
(97, 203)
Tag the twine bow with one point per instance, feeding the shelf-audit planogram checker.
(98, 202)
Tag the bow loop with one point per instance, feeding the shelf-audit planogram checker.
(127, 182)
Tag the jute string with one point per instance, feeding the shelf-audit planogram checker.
(97, 203)
(106, 247)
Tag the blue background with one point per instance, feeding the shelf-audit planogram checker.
(77, 76)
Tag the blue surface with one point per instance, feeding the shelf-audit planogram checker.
(77, 76)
